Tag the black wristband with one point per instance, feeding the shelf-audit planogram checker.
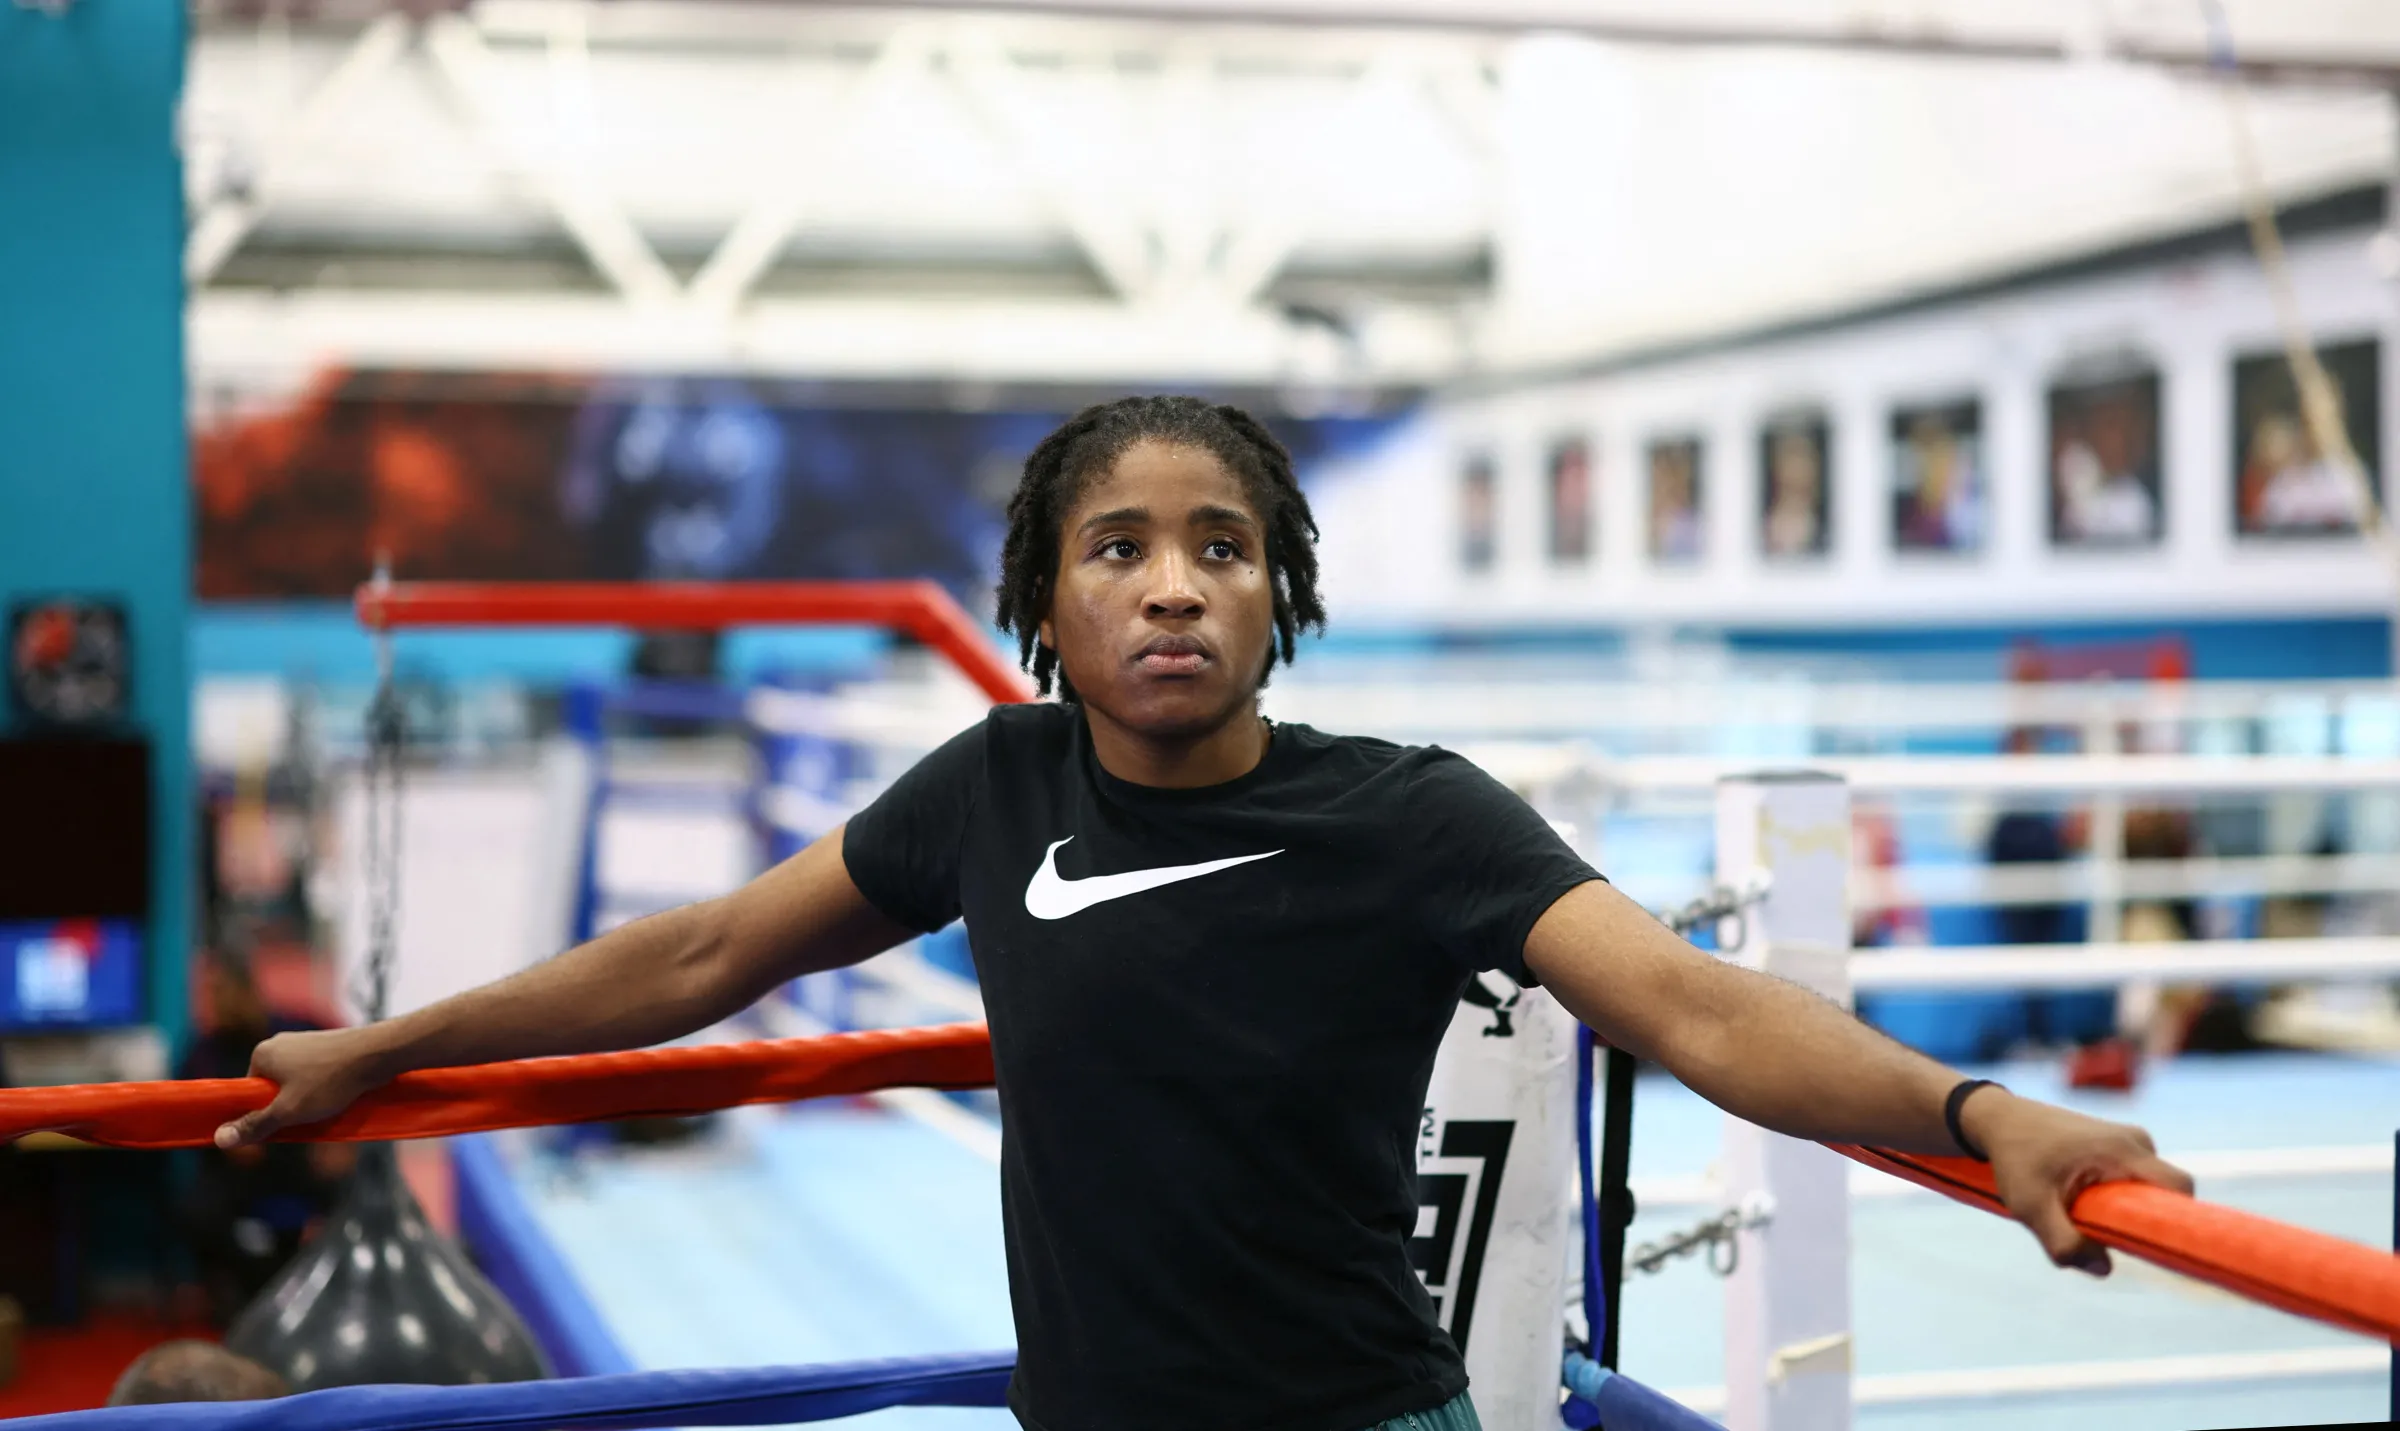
(1950, 1111)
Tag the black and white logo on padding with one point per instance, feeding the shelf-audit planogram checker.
(1498, 993)
(1458, 1190)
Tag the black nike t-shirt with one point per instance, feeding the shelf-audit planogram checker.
(1214, 1014)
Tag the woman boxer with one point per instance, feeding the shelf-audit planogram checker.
(1218, 955)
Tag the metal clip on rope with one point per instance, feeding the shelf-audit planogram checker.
(1723, 902)
(1718, 1236)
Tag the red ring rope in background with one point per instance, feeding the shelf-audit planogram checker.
(2307, 1273)
(436, 1102)
(921, 608)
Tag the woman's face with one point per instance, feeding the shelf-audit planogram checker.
(1937, 461)
(2276, 443)
(1162, 611)
(1794, 466)
(1670, 483)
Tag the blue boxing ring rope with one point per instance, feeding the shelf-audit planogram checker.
(763, 1396)
(1599, 1395)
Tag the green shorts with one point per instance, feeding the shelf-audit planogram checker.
(1456, 1414)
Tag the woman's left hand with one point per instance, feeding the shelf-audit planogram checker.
(2043, 1155)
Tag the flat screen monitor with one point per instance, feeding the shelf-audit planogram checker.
(74, 828)
(74, 881)
(69, 973)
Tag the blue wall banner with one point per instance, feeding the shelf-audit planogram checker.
(94, 492)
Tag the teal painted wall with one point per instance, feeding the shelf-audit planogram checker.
(95, 496)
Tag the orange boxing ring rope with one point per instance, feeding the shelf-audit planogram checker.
(439, 1102)
(2309, 1274)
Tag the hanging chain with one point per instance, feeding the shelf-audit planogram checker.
(1718, 1236)
(387, 730)
(1720, 903)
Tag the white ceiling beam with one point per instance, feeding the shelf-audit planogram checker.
(1119, 245)
(228, 218)
(751, 246)
(591, 215)
(235, 332)
(1257, 248)
(2306, 41)
(1190, 163)
(1183, 187)
(1468, 95)
(1254, 252)
(749, 27)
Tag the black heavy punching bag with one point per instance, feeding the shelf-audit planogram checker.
(380, 1296)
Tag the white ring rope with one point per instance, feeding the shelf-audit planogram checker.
(904, 972)
(934, 1110)
(2077, 881)
(2020, 967)
(1946, 884)
(2239, 1165)
(883, 716)
(1517, 708)
(1550, 763)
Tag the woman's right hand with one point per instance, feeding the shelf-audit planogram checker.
(316, 1075)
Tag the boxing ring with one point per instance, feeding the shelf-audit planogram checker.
(2343, 1284)
(914, 1212)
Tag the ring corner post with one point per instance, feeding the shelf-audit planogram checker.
(1788, 1348)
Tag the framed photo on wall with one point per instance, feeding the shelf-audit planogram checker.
(2104, 459)
(1795, 487)
(1478, 512)
(1939, 502)
(1570, 502)
(2283, 486)
(1677, 531)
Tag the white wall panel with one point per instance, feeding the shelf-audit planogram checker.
(2190, 318)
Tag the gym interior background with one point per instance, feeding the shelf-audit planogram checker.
(1774, 383)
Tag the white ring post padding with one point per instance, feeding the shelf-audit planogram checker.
(1787, 1303)
(2101, 966)
(1495, 1233)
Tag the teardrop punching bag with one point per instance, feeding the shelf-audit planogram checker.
(381, 1296)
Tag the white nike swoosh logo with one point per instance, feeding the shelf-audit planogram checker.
(1050, 897)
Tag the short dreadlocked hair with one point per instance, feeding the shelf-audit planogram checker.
(1088, 444)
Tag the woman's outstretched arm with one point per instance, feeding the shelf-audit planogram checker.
(643, 983)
